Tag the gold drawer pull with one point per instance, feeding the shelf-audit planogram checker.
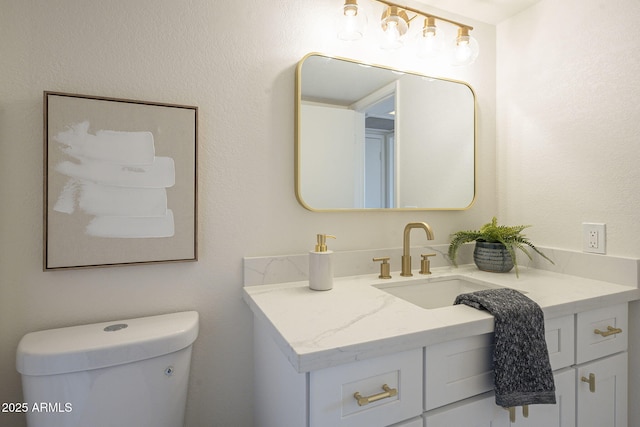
(592, 382)
(388, 392)
(610, 331)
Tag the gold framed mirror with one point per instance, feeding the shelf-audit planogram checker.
(372, 137)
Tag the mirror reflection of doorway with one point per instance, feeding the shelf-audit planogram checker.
(379, 154)
(378, 168)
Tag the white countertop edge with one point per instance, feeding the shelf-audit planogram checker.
(379, 323)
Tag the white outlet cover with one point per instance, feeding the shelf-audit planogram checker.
(594, 237)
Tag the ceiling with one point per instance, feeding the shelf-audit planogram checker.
(489, 11)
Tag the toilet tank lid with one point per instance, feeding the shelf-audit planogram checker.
(99, 345)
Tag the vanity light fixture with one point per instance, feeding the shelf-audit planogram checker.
(395, 23)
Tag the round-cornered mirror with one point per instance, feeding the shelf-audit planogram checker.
(371, 137)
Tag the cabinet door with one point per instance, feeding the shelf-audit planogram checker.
(603, 401)
(478, 411)
(562, 414)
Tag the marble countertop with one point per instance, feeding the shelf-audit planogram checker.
(355, 320)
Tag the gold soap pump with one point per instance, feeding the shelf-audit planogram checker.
(321, 265)
(321, 246)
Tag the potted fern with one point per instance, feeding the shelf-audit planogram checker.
(495, 246)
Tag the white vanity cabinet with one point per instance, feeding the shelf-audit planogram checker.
(389, 387)
(601, 373)
(450, 383)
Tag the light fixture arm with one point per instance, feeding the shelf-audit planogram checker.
(426, 15)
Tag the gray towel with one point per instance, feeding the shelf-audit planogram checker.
(522, 373)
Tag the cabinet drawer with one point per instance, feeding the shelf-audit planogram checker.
(458, 369)
(331, 391)
(601, 332)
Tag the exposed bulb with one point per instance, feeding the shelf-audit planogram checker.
(466, 49)
(392, 37)
(353, 22)
(395, 24)
(431, 40)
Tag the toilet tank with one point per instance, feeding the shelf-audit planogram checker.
(132, 372)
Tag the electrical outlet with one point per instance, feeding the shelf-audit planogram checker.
(594, 237)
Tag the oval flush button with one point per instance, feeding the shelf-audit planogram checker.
(116, 327)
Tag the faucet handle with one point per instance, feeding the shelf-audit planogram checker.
(385, 267)
(425, 265)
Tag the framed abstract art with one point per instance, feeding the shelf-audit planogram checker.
(120, 181)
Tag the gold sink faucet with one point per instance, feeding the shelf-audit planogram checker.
(406, 247)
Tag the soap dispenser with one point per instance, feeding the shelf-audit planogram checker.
(321, 265)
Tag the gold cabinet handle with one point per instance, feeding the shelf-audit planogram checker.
(592, 382)
(512, 412)
(365, 400)
(610, 331)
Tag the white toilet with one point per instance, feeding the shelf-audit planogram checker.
(128, 373)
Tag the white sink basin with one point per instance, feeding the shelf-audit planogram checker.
(433, 293)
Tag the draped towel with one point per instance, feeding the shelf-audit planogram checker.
(522, 372)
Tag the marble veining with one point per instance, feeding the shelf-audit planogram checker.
(355, 320)
(316, 342)
(291, 268)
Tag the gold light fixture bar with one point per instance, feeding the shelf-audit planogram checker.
(419, 12)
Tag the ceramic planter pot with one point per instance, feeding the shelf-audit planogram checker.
(492, 257)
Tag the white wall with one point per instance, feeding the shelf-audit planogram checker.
(568, 126)
(569, 120)
(235, 60)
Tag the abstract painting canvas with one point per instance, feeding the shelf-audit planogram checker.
(120, 181)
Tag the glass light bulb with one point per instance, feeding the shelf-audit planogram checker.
(352, 24)
(430, 41)
(392, 36)
(465, 50)
(395, 24)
